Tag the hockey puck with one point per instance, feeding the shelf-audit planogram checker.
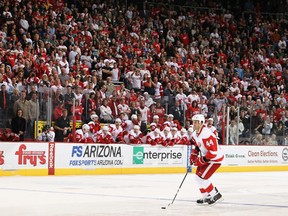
(163, 207)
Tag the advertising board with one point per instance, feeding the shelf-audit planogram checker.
(23, 157)
(101, 155)
(76, 159)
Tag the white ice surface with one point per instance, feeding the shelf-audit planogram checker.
(142, 195)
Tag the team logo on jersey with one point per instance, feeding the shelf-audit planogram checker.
(285, 154)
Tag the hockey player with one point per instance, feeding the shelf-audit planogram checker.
(104, 136)
(154, 137)
(116, 131)
(175, 137)
(123, 121)
(171, 122)
(8, 135)
(82, 135)
(94, 125)
(128, 125)
(135, 136)
(184, 140)
(166, 137)
(157, 123)
(153, 126)
(207, 156)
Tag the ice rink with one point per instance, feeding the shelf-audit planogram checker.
(244, 194)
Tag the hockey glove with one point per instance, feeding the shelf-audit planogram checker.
(194, 155)
(200, 161)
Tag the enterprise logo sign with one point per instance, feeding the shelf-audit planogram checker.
(138, 155)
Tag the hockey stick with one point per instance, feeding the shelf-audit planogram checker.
(177, 190)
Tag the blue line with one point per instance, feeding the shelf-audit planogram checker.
(139, 197)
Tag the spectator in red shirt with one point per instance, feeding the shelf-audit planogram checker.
(192, 110)
(57, 112)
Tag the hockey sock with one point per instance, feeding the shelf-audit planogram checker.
(203, 192)
(213, 192)
(205, 186)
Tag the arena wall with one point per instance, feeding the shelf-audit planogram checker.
(30, 159)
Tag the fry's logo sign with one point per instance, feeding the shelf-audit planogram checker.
(30, 157)
(1, 158)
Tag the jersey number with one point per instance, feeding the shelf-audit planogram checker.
(209, 143)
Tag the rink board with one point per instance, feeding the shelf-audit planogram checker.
(88, 159)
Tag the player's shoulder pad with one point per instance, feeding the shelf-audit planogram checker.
(206, 132)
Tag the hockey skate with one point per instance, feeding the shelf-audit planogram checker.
(203, 201)
(215, 199)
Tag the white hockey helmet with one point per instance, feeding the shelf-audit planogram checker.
(174, 129)
(167, 129)
(153, 126)
(190, 129)
(117, 120)
(94, 117)
(157, 130)
(85, 128)
(136, 127)
(183, 130)
(198, 117)
(155, 117)
(105, 128)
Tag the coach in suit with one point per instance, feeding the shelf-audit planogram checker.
(177, 112)
(18, 124)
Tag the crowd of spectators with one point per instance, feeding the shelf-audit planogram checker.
(118, 61)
